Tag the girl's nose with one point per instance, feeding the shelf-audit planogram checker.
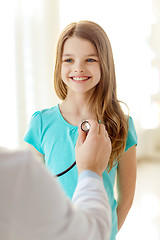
(79, 68)
(76, 70)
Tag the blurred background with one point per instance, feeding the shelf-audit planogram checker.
(29, 31)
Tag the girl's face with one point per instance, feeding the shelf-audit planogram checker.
(80, 65)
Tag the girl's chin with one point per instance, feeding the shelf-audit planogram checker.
(80, 90)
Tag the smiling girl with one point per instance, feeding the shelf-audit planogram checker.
(85, 81)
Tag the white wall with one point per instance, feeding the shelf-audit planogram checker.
(28, 38)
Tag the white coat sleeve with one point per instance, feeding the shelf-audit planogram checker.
(33, 205)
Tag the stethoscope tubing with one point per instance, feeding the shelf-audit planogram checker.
(69, 168)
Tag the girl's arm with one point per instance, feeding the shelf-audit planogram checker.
(126, 181)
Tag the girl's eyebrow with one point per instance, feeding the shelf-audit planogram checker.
(66, 55)
(92, 55)
(88, 55)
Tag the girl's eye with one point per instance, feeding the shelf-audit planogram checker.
(91, 60)
(68, 60)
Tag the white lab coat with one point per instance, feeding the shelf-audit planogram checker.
(34, 207)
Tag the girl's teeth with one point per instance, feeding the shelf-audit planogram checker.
(80, 78)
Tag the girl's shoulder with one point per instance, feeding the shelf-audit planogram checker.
(46, 111)
(131, 125)
(44, 117)
(132, 135)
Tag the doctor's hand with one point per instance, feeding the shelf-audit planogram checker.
(94, 149)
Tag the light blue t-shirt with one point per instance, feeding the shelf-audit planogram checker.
(55, 138)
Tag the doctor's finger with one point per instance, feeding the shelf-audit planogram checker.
(94, 129)
(102, 129)
(81, 136)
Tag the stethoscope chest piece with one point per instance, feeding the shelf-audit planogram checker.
(85, 126)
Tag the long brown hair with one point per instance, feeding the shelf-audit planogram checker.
(104, 99)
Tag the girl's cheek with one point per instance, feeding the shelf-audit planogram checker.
(64, 67)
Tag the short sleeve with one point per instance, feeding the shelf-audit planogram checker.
(33, 134)
(132, 136)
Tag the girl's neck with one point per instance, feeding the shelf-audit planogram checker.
(76, 109)
(77, 103)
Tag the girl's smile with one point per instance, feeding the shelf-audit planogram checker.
(80, 65)
(80, 79)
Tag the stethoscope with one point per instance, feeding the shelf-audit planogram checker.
(85, 126)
